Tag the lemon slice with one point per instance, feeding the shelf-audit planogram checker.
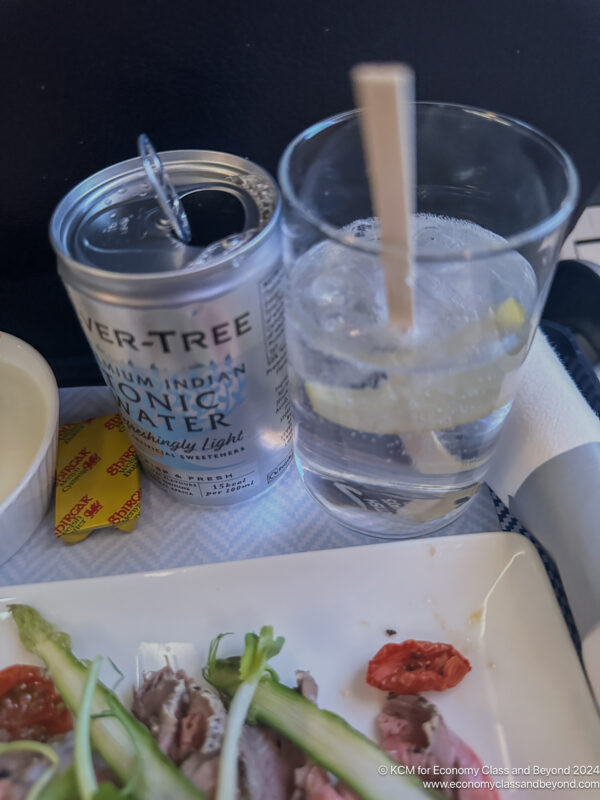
(509, 316)
(414, 402)
(376, 411)
(369, 410)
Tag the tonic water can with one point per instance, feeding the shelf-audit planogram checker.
(189, 337)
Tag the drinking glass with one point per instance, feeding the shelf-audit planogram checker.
(394, 429)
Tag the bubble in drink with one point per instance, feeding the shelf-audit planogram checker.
(403, 423)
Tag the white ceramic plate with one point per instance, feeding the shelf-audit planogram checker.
(525, 702)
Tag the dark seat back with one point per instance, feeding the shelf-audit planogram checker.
(82, 79)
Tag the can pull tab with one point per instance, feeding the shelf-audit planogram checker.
(167, 197)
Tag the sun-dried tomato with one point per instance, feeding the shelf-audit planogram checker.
(30, 707)
(412, 666)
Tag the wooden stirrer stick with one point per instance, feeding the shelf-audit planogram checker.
(385, 92)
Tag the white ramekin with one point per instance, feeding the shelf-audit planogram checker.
(22, 511)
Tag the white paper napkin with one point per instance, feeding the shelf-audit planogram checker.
(549, 417)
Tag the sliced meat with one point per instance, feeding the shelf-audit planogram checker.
(413, 732)
(268, 761)
(203, 771)
(157, 703)
(267, 764)
(149, 699)
(18, 773)
(182, 717)
(202, 727)
(167, 724)
(21, 769)
(314, 783)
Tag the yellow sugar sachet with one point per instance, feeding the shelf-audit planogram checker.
(97, 479)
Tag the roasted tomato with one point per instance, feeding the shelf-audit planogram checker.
(412, 667)
(30, 707)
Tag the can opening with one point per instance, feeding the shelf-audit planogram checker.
(114, 221)
(213, 214)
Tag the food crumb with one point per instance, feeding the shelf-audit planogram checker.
(440, 620)
(491, 665)
(475, 617)
(432, 550)
(390, 632)
(344, 692)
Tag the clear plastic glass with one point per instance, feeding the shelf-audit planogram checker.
(394, 430)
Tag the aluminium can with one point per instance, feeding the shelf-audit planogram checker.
(190, 338)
